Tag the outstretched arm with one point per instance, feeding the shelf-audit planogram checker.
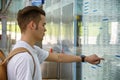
(61, 57)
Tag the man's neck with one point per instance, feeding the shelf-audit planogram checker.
(27, 39)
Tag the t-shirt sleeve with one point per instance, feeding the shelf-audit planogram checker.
(42, 54)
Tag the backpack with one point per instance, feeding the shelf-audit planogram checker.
(4, 60)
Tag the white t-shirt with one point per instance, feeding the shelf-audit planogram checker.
(21, 66)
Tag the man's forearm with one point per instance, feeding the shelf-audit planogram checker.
(68, 58)
(61, 57)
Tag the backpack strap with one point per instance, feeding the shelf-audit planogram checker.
(17, 51)
(2, 56)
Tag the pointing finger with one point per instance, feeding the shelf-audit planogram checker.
(102, 59)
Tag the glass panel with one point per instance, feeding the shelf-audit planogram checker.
(47, 3)
(67, 33)
(101, 36)
(67, 27)
(60, 34)
(56, 1)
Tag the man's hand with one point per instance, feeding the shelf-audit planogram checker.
(93, 59)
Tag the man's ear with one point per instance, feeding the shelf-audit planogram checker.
(32, 25)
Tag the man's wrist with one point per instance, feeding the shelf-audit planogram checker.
(82, 58)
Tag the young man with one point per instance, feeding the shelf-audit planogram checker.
(31, 21)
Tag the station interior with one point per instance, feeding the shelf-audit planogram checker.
(76, 27)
